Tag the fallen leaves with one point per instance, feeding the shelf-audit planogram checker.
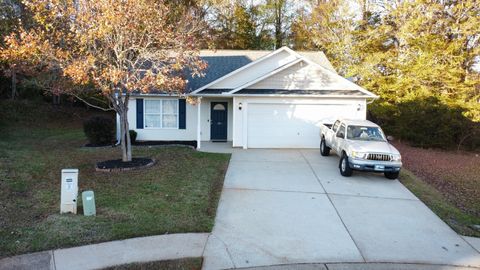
(453, 173)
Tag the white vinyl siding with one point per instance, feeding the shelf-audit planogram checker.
(161, 113)
(303, 76)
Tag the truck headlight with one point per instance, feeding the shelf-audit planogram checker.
(396, 158)
(360, 155)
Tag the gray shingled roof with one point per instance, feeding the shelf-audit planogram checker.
(218, 66)
(222, 62)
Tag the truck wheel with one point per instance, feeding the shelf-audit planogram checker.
(391, 175)
(324, 149)
(344, 167)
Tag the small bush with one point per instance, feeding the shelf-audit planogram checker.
(99, 130)
(133, 136)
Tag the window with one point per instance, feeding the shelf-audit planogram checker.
(365, 133)
(153, 114)
(341, 132)
(219, 107)
(335, 126)
(170, 113)
(161, 113)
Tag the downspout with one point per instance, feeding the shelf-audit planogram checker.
(199, 126)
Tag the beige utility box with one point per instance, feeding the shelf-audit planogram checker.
(69, 191)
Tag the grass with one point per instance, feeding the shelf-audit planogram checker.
(182, 264)
(458, 220)
(179, 194)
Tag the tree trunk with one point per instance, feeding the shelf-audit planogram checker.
(279, 23)
(120, 105)
(125, 138)
(124, 130)
(14, 84)
(56, 100)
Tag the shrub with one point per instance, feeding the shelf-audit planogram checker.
(133, 136)
(427, 122)
(99, 130)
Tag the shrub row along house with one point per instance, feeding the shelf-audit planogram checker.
(255, 99)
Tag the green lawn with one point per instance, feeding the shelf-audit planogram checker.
(458, 220)
(179, 194)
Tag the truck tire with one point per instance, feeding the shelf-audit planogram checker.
(344, 167)
(391, 175)
(324, 149)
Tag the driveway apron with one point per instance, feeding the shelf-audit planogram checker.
(292, 206)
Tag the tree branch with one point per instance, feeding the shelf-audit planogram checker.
(93, 106)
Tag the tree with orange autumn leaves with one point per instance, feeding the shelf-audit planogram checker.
(113, 47)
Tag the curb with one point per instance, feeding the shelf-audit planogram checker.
(360, 266)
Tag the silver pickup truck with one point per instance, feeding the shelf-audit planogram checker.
(361, 146)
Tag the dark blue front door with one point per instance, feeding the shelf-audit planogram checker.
(218, 121)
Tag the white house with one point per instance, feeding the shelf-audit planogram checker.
(255, 99)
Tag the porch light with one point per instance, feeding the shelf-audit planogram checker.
(240, 106)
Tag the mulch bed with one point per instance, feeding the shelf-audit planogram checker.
(152, 143)
(192, 144)
(116, 165)
(99, 145)
(454, 173)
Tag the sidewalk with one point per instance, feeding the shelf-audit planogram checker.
(169, 247)
(97, 256)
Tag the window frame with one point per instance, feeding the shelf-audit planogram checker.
(344, 131)
(160, 114)
(335, 126)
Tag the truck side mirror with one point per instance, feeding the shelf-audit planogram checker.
(340, 135)
(390, 138)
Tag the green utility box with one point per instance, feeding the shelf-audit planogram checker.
(88, 200)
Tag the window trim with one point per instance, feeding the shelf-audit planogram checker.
(177, 114)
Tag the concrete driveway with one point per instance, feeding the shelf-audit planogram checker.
(292, 206)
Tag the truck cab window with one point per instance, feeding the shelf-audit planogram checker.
(341, 132)
(335, 126)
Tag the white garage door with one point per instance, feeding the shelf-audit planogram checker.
(291, 125)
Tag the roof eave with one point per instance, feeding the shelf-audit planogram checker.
(277, 95)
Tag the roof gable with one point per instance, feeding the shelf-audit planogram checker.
(220, 63)
(302, 77)
(250, 71)
(319, 58)
(262, 66)
(217, 66)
